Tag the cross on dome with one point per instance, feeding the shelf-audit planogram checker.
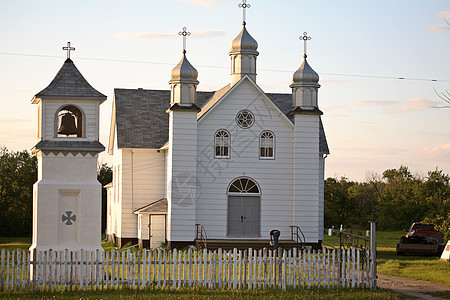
(244, 5)
(184, 33)
(305, 39)
(68, 48)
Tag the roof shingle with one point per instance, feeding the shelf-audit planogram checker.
(69, 83)
(142, 121)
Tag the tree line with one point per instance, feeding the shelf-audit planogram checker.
(18, 173)
(394, 199)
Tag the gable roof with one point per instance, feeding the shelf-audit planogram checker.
(141, 120)
(158, 206)
(69, 83)
(222, 94)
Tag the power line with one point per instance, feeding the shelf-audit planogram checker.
(221, 67)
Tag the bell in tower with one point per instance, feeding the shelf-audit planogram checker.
(70, 120)
(68, 126)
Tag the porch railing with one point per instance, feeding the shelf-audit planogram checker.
(201, 235)
(298, 236)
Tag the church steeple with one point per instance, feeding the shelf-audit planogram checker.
(183, 79)
(243, 52)
(305, 83)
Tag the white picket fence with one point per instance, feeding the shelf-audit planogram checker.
(234, 269)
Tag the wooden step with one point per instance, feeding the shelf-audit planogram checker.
(240, 244)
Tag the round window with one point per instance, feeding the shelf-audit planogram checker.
(245, 119)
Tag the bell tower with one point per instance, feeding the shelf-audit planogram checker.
(67, 195)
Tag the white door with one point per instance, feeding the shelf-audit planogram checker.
(157, 230)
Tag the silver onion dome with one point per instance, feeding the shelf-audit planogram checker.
(184, 72)
(305, 74)
(244, 42)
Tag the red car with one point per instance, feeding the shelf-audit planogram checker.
(425, 229)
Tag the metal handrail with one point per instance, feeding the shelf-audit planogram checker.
(295, 236)
(331, 246)
(348, 240)
(201, 234)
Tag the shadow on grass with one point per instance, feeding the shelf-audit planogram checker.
(202, 293)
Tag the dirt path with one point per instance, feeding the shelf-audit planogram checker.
(412, 287)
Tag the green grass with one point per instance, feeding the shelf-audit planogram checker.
(429, 268)
(14, 243)
(212, 294)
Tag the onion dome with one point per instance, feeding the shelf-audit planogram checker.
(305, 74)
(184, 72)
(244, 42)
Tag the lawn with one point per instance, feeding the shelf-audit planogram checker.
(14, 243)
(429, 268)
(212, 294)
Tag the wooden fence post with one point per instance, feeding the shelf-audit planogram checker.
(373, 254)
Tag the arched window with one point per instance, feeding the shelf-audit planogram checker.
(267, 145)
(222, 144)
(243, 185)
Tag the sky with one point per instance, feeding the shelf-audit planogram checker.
(373, 120)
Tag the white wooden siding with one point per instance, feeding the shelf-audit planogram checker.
(181, 176)
(321, 196)
(141, 182)
(273, 176)
(306, 176)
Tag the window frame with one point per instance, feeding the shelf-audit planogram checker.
(266, 148)
(239, 114)
(223, 145)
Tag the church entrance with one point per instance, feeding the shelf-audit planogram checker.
(244, 208)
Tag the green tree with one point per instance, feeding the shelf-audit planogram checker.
(339, 207)
(401, 202)
(436, 191)
(104, 176)
(18, 173)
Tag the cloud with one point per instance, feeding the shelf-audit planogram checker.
(439, 28)
(333, 81)
(442, 151)
(413, 104)
(205, 2)
(443, 14)
(166, 36)
(443, 28)
(375, 102)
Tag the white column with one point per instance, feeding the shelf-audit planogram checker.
(306, 175)
(182, 176)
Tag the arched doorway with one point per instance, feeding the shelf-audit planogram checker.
(244, 208)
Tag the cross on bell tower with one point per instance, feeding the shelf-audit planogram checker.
(68, 48)
(305, 39)
(184, 34)
(244, 5)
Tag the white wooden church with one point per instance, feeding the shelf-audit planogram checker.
(237, 162)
